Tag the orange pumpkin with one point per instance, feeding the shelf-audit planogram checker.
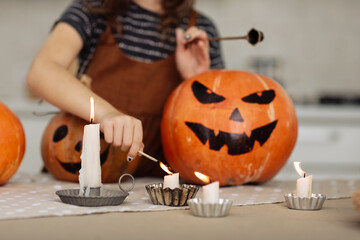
(62, 145)
(234, 126)
(12, 143)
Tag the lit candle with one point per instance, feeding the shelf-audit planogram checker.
(303, 184)
(210, 192)
(172, 180)
(90, 172)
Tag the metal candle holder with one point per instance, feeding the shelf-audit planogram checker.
(97, 197)
(171, 197)
(314, 202)
(201, 209)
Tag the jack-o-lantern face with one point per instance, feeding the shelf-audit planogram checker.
(74, 167)
(62, 145)
(234, 126)
(237, 143)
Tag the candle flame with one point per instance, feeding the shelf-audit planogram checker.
(298, 169)
(91, 109)
(165, 168)
(202, 177)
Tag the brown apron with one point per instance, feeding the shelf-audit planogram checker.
(136, 88)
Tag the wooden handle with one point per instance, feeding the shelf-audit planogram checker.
(226, 38)
(253, 37)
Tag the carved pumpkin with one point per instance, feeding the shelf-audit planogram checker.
(62, 145)
(12, 143)
(234, 126)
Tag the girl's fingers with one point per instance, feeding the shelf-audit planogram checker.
(127, 136)
(180, 39)
(137, 140)
(203, 51)
(108, 130)
(118, 132)
(124, 131)
(194, 33)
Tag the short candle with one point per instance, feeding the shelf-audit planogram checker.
(210, 193)
(303, 184)
(171, 181)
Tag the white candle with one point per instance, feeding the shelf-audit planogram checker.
(90, 172)
(303, 184)
(171, 181)
(210, 193)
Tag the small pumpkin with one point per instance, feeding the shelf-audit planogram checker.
(12, 143)
(61, 148)
(234, 126)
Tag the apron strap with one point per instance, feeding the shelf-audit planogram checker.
(192, 18)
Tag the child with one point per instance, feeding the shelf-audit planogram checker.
(136, 52)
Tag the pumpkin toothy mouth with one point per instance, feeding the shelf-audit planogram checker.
(75, 167)
(237, 143)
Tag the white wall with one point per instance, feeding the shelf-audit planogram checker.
(317, 42)
(24, 25)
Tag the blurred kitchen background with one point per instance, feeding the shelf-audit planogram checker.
(312, 48)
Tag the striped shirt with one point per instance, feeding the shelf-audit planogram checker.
(140, 38)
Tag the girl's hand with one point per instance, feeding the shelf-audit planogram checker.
(192, 52)
(124, 131)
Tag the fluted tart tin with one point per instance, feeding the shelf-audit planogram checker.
(219, 209)
(171, 197)
(314, 202)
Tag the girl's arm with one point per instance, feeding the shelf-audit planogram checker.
(48, 77)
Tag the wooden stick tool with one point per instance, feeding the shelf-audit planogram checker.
(253, 37)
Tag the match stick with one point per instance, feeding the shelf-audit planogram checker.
(148, 156)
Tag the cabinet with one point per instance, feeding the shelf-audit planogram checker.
(328, 141)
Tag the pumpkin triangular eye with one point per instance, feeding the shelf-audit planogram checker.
(204, 94)
(264, 97)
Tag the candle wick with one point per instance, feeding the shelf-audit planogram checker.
(304, 174)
